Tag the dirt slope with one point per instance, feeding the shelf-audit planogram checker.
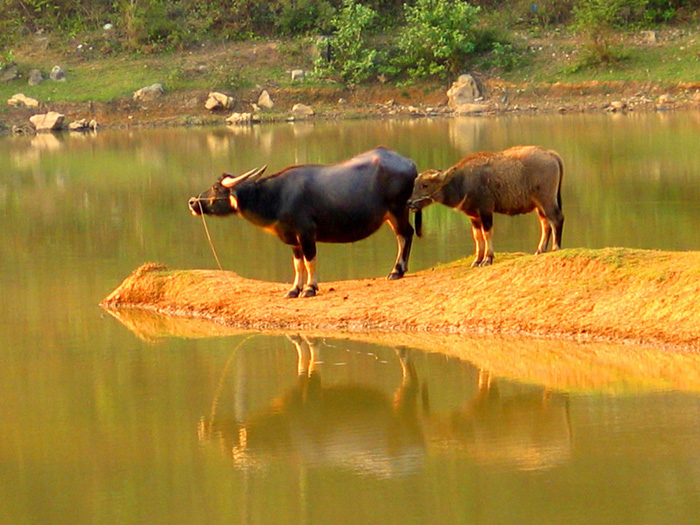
(612, 294)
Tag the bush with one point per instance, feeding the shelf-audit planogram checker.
(598, 20)
(302, 17)
(438, 37)
(350, 53)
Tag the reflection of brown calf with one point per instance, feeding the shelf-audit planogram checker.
(529, 428)
(349, 426)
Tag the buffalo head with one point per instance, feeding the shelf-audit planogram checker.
(220, 198)
(427, 188)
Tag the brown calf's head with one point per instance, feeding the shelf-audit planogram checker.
(427, 188)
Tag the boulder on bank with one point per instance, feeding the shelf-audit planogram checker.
(303, 111)
(9, 73)
(216, 101)
(20, 99)
(148, 93)
(35, 77)
(83, 125)
(464, 90)
(51, 121)
(265, 101)
(57, 74)
(240, 118)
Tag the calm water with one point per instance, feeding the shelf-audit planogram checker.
(102, 424)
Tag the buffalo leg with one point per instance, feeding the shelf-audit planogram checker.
(546, 228)
(552, 220)
(298, 261)
(487, 232)
(478, 235)
(308, 248)
(404, 237)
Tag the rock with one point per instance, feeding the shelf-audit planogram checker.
(9, 74)
(35, 77)
(151, 92)
(240, 118)
(20, 99)
(297, 74)
(50, 121)
(471, 109)
(464, 90)
(616, 106)
(650, 37)
(82, 125)
(218, 101)
(265, 101)
(302, 110)
(58, 74)
(665, 99)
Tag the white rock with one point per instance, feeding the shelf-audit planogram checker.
(47, 121)
(265, 101)
(151, 92)
(218, 101)
(302, 110)
(20, 99)
(464, 90)
(239, 118)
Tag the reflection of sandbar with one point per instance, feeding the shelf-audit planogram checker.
(555, 364)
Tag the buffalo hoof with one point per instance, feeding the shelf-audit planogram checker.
(487, 262)
(309, 291)
(476, 263)
(394, 275)
(293, 293)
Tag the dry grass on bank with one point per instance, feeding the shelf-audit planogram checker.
(613, 294)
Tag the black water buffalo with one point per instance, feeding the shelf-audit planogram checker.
(518, 180)
(337, 203)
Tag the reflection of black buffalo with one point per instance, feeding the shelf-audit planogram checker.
(363, 430)
(349, 426)
(337, 203)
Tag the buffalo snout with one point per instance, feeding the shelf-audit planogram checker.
(195, 206)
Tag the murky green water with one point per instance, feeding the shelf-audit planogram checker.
(99, 424)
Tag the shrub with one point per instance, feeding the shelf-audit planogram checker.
(438, 37)
(351, 56)
(301, 17)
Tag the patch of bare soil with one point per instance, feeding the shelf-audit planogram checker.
(612, 294)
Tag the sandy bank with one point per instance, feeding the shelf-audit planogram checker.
(612, 294)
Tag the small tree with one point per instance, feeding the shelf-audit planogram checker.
(350, 55)
(597, 21)
(438, 37)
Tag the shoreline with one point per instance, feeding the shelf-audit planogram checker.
(186, 108)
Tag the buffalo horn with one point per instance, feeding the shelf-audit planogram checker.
(230, 182)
